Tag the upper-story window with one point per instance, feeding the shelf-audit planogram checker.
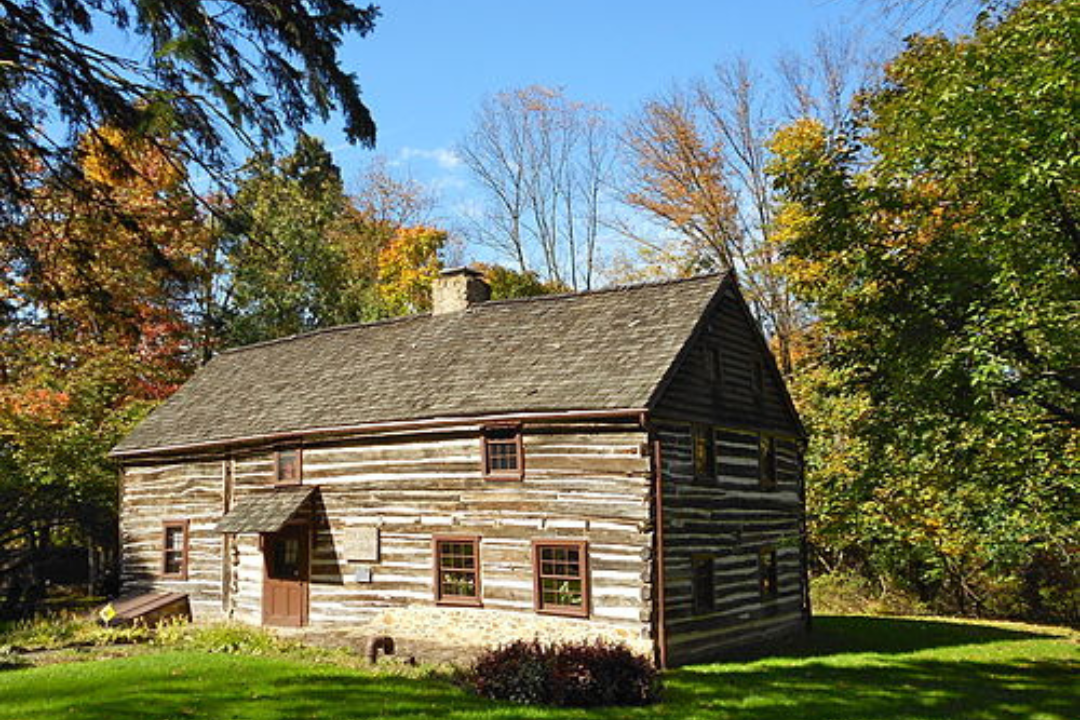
(767, 474)
(704, 452)
(503, 453)
(714, 360)
(757, 380)
(288, 467)
(174, 550)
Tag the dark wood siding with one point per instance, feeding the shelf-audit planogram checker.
(733, 516)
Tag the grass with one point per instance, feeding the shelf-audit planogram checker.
(852, 667)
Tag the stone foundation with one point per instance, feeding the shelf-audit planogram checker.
(450, 634)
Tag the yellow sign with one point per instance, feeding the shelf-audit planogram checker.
(107, 613)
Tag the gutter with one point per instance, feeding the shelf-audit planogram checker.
(659, 587)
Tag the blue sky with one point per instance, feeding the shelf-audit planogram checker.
(429, 64)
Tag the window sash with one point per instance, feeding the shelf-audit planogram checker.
(288, 467)
(503, 455)
(561, 574)
(174, 549)
(457, 570)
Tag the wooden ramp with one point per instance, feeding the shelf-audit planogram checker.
(145, 609)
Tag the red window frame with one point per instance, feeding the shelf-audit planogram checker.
(502, 437)
(298, 477)
(181, 573)
(442, 597)
(539, 576)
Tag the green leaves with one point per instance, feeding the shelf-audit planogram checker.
(943, 261)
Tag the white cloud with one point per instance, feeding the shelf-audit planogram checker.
(445, 158)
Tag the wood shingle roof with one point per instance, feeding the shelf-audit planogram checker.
(601, 350)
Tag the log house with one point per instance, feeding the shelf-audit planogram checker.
(622, 463)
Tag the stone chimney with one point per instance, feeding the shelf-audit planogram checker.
(457, 289)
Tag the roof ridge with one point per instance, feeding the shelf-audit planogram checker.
(626, 287)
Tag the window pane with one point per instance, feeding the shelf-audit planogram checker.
(561, 573)
(457, 568)
(288, 466)
(174, 562)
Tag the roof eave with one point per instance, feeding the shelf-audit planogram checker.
(638, 414)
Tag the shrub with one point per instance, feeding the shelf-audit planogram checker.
(581, 674)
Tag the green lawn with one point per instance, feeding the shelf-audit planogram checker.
(853, 667)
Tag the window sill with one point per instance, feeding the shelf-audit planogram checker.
(460, 602)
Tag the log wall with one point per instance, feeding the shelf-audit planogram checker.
(728, 516)
(581, 483)
(152, 495)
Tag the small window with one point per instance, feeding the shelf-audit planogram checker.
(503, 455)
(758, 380)
(766, 463)
(174, 552)
(703, 586)
(288, 468)
(704, 452)
(716, 371)
(767, 575)
(561, 577)
(457, 571)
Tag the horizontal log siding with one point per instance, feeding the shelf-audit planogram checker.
(149, 496)
(730, 518)
(581, 482)
(692, 396)
(578, 484)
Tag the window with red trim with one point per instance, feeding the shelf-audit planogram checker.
(174, 549)
(503, 454)
(561, 573)
(288, 467)
(457, 570)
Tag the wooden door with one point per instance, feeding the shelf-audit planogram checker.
(285, 587)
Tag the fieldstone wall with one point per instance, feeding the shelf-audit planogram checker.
(435, 634)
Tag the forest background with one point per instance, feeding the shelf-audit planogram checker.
(905, 231)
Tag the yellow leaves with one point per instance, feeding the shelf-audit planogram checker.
(408, 264)
(796, 143)
(111, 157)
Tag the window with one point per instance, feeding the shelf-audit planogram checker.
(704, 451)
(561, 578)
(714, 360)
(758, 381)
(174, 549)
(766, 463)
(457, 570)
(288, 468)
(767, 576)
(503, 454)
(703, 587)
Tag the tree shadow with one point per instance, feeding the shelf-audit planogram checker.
(876, 691)
(837, 635)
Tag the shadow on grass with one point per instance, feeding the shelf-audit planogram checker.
(834, 635)
(999, 674)
(898, 689)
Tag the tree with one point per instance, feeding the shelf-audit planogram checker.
(98, 299)
(541, 159)
(287, 275)
(696, 163)
(937, 242)
(206, 71)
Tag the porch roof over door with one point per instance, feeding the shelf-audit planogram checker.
(265, 512)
